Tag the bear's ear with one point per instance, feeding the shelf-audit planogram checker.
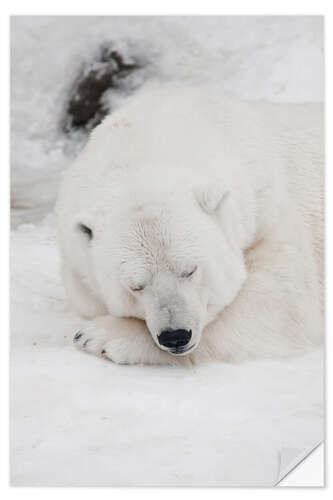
(83, 225)
(211, 197)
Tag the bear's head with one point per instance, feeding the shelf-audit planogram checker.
(175, 262)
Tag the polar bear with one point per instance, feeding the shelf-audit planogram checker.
(190, 229)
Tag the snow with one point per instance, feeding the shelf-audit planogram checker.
(82, 421)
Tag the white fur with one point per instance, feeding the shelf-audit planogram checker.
(182, 179)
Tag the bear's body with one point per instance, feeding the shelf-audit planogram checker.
(230, 191)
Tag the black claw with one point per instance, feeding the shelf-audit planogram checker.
(104, 353)
(85, 343)
(77, 336)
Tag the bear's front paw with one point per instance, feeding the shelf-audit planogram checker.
(99, 342)
(121, 340)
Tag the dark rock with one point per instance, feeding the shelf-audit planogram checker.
(85, 107)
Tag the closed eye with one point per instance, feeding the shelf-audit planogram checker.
(188, 274)
(137, 288)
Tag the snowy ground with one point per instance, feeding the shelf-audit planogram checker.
(79, 420)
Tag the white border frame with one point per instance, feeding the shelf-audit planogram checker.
(127, 7)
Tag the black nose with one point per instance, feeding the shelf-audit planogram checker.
(174, 338)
